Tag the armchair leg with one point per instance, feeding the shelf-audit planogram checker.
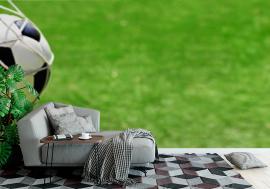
(141, 169)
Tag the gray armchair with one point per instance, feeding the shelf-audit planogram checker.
(35, 126)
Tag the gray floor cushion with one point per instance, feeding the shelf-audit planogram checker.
(244, 160)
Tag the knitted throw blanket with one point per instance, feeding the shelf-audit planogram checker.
(114, 157)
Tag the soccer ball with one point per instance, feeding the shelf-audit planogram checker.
(23, 44)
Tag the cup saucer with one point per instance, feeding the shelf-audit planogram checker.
(84, 138)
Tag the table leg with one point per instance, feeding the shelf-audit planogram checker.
(52, 152)
(46, 162)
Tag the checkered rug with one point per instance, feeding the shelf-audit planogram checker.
(187, 171)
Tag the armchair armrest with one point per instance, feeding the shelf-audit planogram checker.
(31, 128)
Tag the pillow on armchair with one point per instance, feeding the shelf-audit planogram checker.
(64, 120)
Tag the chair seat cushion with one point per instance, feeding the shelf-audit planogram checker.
(143, 152)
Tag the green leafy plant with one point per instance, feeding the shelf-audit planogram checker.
(14, 104)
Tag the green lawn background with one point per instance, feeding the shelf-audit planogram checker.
(195, 73)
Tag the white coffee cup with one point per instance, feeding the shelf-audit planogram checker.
(85, 135)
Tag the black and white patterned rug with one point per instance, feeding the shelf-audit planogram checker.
(187, 171)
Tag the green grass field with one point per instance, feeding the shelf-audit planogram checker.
(195, 73)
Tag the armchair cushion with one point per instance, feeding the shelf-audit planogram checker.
(64, 120)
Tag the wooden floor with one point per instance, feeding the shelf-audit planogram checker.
(259, 178)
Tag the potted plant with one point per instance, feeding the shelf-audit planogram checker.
(14, 104)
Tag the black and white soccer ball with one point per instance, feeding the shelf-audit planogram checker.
(22, 43)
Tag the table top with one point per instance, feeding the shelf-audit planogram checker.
(94, 140)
